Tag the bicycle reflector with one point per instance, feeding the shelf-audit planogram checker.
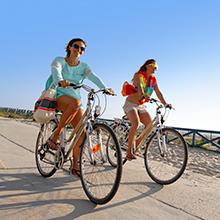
(96, 148)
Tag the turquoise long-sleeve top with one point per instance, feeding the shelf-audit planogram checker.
(60, 70)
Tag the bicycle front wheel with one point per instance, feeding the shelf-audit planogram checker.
(166, 161)
(44, 157)
(100, 180)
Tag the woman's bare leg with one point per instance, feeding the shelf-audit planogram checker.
(135, 123)
(76, 149)
(145, 119)
(69, 106)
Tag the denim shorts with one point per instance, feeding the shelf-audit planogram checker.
(128, 106)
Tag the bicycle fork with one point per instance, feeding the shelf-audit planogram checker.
(95, 148)
(161, 140)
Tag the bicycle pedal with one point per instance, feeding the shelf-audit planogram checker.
(139, 154)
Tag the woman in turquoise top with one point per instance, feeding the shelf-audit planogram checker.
(66, 70)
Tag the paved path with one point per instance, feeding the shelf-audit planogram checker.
(24, 194)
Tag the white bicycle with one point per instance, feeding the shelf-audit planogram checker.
(163, 148)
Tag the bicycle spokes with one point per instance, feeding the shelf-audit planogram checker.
(44, 157)
(59, 159)
(101, 175)
(166, 156)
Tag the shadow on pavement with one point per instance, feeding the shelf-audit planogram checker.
(24, 184)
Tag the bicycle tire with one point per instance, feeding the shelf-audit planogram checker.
(100, 180)
(121, 132)
(43, 156)
(168, 166)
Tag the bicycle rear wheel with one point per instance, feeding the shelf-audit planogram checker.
(100, 180)
(165, 165)
(121, 132)
(44, 157)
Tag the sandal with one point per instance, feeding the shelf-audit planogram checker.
(52, 145)
(130, 157)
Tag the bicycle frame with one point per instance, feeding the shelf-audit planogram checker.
(85, 123)
(156, 126)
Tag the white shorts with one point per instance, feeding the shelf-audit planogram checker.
(128, 106)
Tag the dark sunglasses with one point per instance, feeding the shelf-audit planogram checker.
(76, 46)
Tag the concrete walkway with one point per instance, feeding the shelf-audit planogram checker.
(24, 194)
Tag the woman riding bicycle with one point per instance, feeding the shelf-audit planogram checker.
(144, 83)
(66, 70)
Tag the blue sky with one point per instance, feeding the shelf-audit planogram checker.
(183, 36)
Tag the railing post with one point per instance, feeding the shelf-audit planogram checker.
(193, 139)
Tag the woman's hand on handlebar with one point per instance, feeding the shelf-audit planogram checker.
(64, 83)
(109, 91)
(168, 106)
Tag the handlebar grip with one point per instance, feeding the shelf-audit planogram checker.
(71, 84)
(152, 100)
(169, 106)
(75, 86)
(105, 91)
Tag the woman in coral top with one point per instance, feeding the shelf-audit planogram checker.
(144, 83)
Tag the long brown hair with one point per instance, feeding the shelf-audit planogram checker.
(143, 67)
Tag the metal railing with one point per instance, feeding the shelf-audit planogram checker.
(16, 111)
(208, 139)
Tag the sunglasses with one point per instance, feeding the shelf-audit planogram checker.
(76, 46)
(154, 65)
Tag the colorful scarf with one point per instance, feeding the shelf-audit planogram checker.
(147, 84)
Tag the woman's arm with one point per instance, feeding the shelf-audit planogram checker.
(159, 95)
(93, 78)
(56, 70)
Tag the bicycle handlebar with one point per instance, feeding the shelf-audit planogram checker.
(75, 86)
(89, 89)
(152, 100)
